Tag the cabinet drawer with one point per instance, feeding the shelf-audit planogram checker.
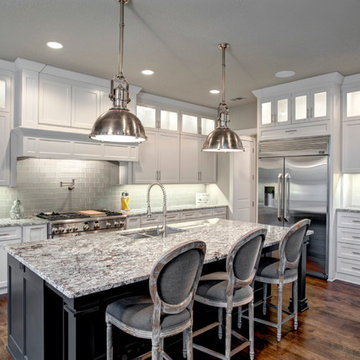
(209, 213)
(133, 223)
(348, 219)
(220, 212)
(10, 233)
(190, 214)
(349, 251)
(350, 267)
(350, 236)
(173, 216)
(153, 220)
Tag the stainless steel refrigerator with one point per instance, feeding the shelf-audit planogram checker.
(293, 184)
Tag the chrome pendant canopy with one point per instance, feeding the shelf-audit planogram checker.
(223, 139)
(118, 124)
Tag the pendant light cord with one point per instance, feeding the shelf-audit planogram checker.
(223, 47)
(121, 38)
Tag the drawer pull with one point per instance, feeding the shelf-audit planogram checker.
(355, 268)
(356, 221)
(4, 234)
(356, 253)
(355, 237)
(290, 131)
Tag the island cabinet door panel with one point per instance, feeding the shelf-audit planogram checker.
(168, 157)
(26, 312)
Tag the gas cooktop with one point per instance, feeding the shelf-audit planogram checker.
(55, 216)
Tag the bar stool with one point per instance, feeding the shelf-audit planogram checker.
(231, 289)
(283, 271)
(168, 309)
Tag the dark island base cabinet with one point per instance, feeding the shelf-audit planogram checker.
(43, 324)
(25, 312)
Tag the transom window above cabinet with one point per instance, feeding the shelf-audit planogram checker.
(167, 119)
(2, 94)
(207, 126)
(352, 104)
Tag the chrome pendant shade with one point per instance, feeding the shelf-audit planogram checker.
(118, 124)
(223, 139)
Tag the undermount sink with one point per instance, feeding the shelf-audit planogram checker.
(169, 230)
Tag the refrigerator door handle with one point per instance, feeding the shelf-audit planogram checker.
(279, 215)
(287, 197)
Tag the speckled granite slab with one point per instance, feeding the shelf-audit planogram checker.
(81, 265)
(143, 211)
(21, 222)
(350, 209)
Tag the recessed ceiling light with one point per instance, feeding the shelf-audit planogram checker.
(147, 72)
(54, 45)
(214, 91)
(285, 74)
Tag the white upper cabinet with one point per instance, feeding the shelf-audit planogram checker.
(351, 124)
(275, 111)
(312, 105)
(158, 159)
(304, 107)
(196, 166)
(85, 107)
(5, 126)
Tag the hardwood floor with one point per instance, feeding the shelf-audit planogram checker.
(330, 329)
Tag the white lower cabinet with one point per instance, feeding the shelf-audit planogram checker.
(15, 235)
(8, 235)
(348, 247)
(34, 233)
(133, 222)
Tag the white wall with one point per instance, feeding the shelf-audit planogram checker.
(243, 116)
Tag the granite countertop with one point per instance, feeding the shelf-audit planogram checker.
(159, 209)
(22, 222)
(81, 265)
(353, 209)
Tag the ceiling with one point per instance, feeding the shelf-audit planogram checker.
(178, 40)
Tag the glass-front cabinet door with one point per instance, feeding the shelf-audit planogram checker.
(310, 106)
(352, 104)
(282, 113)
(275, 111)
(147, 116)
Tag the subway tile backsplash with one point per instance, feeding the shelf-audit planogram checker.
(96, 186)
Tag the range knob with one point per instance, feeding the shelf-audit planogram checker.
(75, 228)
(69, 229)
(55, 231)
(61, 230)
(116, 224)
(108, 224)
(86, 227)
(96, 225)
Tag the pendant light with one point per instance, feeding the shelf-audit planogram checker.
(118, 124)
(223, 139)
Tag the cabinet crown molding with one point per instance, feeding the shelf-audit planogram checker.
(334, 78)
(24, 64)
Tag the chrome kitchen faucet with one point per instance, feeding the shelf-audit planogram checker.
(163, 230)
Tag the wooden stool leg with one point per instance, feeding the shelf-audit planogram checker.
(295, 296)
(228, 334)
(108, 341)
(265, 286)
(189, 344)
(251, 329)
(239, 324)
(279, 311)
(220, 319)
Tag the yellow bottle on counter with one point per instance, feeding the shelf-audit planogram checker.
(125, 199)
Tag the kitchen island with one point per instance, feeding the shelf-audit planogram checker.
(59, 289)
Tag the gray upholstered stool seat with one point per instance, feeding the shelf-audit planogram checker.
(269, 268)
(137, 312)
(216, 291)
(232, 289)
(168, 309)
